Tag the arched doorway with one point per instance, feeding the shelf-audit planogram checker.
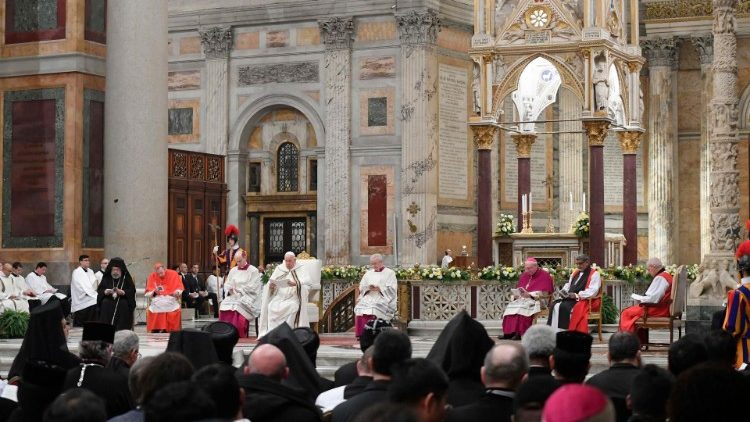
(281, 184)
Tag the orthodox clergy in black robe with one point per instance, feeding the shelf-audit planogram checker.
(117, 296)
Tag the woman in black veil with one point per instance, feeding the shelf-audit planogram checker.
(116, 297)
(45, 340)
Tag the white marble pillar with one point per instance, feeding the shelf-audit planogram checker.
(135, 134)
(724, 190)
(705, 46)
(217, 44)
(336, 34)
(662, 136)
(571, 159)
(419, 134)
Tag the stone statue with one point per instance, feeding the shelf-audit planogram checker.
(601, 83)
(705, 282)
(641, 104)
(499, 70)
(475, 81)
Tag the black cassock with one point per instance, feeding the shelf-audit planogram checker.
(117, 311)
(111, 386)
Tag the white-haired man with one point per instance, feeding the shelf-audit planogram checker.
(377, 295)
(284, 297)
(657, 298)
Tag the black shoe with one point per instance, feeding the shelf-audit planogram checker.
(516, 336)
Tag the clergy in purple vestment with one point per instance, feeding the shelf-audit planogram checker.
(534, 283)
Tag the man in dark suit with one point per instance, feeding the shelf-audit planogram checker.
(196, 292)
(625, 360)
(505, 366)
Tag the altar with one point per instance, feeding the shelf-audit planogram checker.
(554, 249)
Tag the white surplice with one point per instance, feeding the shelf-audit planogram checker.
(286, 303)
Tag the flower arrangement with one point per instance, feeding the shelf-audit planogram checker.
(343, 272)
(267, 271)
(505, 226)
(500, 273)
(581, 225)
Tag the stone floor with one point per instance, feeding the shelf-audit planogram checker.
(338, 349)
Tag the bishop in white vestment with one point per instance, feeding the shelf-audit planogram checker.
(377, 295)
(243, 288)
(285, 297)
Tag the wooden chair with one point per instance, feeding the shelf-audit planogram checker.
(677, 304)
(545, 301)
(597, 315)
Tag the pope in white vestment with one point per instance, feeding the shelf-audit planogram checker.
(377, 295)
(285, 297)
(243, 289)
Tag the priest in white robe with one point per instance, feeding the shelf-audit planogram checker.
(285, 297)
(243, 288)
(14, 295)
(377, 295)
(37, 281)
(83, 293)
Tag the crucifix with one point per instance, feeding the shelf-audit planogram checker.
(548, 182)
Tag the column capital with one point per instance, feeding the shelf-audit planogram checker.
(216, 41)
(630, 141)
(523, 142)
(704, 44)
(660, 51)
(725, 21)
(337, 32)
(484, 135)
(418, 27)
(596, 130)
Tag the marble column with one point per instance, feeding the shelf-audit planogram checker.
(217, 44)
(724, 191)
(596, 130)
(135, 134)
(524, 142)
(660, 55)
(705, 46)
(571, 158)
(336, 34)
(630, 141)
(419, 130)
(484, 138)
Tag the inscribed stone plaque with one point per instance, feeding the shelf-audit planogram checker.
(180, 121)
(33, 157)
(613, 171)
(377, 111)
(279, 73)
(537, 37)
(453, 133)
(538, 169)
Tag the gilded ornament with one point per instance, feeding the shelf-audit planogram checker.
(630, 140)
(538, 17)
(596, 130)
(484, 136)
(523, 142)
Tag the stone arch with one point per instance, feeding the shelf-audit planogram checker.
(256, 108)
(511, 80)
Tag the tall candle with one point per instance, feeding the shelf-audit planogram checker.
(523, 203)
(530, 201)
(584, 202)
(571, 201)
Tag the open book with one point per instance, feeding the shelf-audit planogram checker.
(559, 294)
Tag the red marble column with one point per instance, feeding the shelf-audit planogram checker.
(596, 131)
(484, 137)
(629, 141)
(523, 149)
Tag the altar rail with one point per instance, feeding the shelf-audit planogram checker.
(440, 301)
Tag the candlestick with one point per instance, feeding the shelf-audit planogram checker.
(523, 204)
(530, 202)
(584, 202)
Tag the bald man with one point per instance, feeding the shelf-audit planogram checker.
(15, 293)
(505, 367)
(285, 296)
(266, 398)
